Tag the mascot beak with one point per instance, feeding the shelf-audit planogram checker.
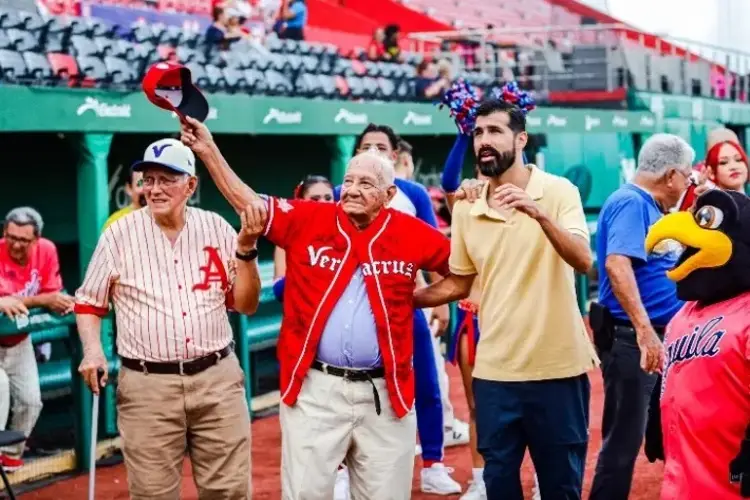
(710, 248)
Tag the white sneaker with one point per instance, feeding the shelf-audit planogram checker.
(341, 490)
(437, 480)
(456, 434)
(535, 492)
(476, 491)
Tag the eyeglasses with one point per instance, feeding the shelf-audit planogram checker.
(18, 240)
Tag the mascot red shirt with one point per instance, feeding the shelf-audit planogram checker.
(705, 400)
(323, 250)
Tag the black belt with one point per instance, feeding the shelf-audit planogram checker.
(354, 376)
(192, 367)
(627, 324)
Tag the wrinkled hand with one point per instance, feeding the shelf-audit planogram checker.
(92, 364)
(12, 307)
(440, 315)
(510, 196)
(652, 350)
(196, 135)
(470, 190)
(253, 220)
(61, 303)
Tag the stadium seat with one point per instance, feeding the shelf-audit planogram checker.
(10, 19)
(294, 62)
(290, 47)
(371, 88)
(90, 27)
(256, 81)
(63, 66)
(23, 40)
(105, 46)
(173, 35)
(93, 68)
(120, 71)
(341, 86)
(387, 88)
(234, 79)
(5, 42)
(404, 91)
(83, 46)
(356, 86)
(277, 84)
(308, 85)
(310, 63)
(274, 44)
(359, 68)
(38, 67)
(199, 75)
(372, 69)
(239, 60)
(260, 62)
(12, 66)
(188, 55)
(343, 67)
(328, 86)
(142, 33)
(33, 22)
(215, 77)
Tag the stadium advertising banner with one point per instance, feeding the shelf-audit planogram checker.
(691, 108)
(27, 109)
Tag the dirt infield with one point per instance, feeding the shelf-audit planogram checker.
(112, 484)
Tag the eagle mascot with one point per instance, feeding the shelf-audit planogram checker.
(700, 422)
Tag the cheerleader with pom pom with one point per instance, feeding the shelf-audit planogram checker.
(521, 238)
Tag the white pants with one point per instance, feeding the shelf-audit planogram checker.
(442, 376)
(334, 421)
(19, 385)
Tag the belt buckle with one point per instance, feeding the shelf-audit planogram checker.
(324, 368)
(182, 367)
(346, 375)
(143, 366)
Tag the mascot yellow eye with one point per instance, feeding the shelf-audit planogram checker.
(709, 217)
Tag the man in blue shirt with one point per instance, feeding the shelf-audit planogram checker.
(634, 287)
(291, 26)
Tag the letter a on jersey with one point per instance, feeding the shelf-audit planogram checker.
(213, 271)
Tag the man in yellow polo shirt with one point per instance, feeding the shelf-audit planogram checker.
(134, 189)
(522, 239)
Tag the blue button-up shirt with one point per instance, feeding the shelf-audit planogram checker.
(350, 338)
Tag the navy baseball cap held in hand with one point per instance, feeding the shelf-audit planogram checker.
(169, 85)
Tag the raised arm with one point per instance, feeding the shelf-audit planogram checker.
(197, 137)
(450, 179)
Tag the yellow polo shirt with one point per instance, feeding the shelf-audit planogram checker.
(531, 327)
(120, 213)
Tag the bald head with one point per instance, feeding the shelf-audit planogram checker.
(378, 164)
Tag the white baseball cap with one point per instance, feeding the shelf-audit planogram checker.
(170, 154)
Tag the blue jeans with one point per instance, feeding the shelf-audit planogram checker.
(550, 418)
(428, 403)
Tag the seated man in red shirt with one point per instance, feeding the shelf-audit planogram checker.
(29, 277)
(346, 343)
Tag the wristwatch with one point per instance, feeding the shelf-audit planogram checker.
(247, 257)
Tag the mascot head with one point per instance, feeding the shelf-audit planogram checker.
(715, 264)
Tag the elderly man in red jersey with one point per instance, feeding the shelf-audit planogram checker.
(347, 315)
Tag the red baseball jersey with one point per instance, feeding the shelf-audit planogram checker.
(41, 274)
(705, 402)
(323, 250)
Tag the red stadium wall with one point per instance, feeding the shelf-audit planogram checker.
(331, 16)
(388, 11)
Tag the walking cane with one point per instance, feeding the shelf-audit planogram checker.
(94, 434)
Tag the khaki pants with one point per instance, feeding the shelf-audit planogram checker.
(19, 386)
(334, 421)
(161, 417)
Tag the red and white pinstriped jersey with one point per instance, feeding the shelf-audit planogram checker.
(170, 301)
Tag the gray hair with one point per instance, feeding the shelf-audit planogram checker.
(24, 216)
(664, 151)
(386, 170)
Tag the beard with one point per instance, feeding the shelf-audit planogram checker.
(495, 164)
